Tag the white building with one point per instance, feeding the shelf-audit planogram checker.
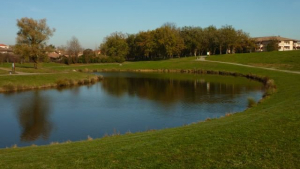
(297, 45)
(5, 49)
(4, 46)
(284, 44)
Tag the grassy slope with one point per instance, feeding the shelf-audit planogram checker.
(266, 136)
(40, 80)
(288, 60)
(3, 72)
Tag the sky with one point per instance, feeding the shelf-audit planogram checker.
(92, 20)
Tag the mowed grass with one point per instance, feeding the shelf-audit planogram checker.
(25, 82)
(264, 136)
(3, 72)
(288, 60)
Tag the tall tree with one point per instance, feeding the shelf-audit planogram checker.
(229, 34)
(88, 55)
(73, 49)
(32, 38)
(211, 38)
(273, 45)
(168, 40)
(145, 43)
(132, 46)
(115, 45)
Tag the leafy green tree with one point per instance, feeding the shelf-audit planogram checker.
(229, 35)
(115, 45)
(146, 44)
(132, 46)
(272, 45)
(211, 37)
(168, 40)
(32, 38)
(88, 55)
(193, 38)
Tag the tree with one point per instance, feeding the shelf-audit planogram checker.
(229, 34)
(132, 46)
(145, 43)
(211, 37)
(32, 38)
(88, 54)
(73, 49)
(272, 45)
(168, 40)
(115, 45)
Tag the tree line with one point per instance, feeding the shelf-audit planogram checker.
(169, 41)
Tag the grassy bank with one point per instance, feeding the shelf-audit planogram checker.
(288, 60)
(12, 83)
(264, 136)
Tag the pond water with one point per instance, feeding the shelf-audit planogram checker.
(122, 102)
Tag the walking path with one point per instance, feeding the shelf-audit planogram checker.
(238, 64)
(202, 59)
(21, 73)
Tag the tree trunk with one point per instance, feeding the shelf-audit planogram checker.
(220, 49)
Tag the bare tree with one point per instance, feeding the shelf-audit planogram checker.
(73, 49)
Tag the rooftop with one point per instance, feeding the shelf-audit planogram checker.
(268, 38)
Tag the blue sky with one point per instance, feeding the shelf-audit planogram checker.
(91, 20)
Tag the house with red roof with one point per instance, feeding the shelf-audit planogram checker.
(3, 46)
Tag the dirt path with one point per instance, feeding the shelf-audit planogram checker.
(238, 64)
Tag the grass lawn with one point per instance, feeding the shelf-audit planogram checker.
(264, 136)
(3, 72)
(12, 82)
(288, 60)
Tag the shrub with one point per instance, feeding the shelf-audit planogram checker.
(9, 87)
(71, 82)
(80, 82)
(251, 102)
(100, 77)
(86, 81)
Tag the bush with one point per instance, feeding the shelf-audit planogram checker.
(62, 82)
(251, 102)
(9, 87)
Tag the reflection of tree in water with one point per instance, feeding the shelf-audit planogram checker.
(34, 118)
(169, 91)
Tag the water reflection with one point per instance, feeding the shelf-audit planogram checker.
(169, 91)
(122, 102)
(33, 116)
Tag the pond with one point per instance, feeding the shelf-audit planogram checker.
(122, 102)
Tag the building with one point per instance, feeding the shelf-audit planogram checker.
(297, 45)
(3, 46)
(5, 49)
(54, 56)
(284, 44)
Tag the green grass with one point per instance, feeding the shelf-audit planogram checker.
(24, 82)
(3, 72)
(264, 136)
(288, 60)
